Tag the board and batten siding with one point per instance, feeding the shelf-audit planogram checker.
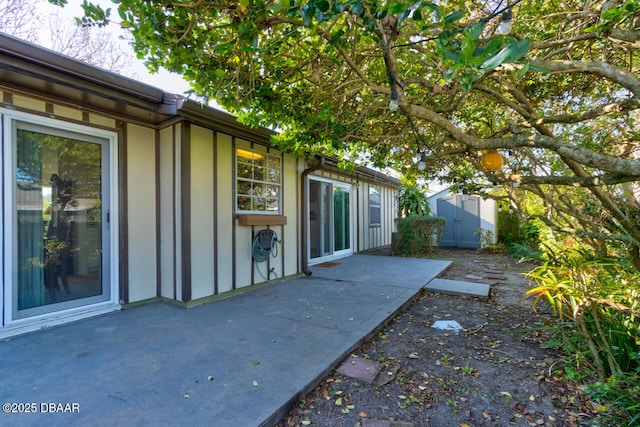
(219, 248)
(141, 212)
(374, 236)
(202, 223)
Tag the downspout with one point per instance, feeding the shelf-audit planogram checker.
(305, 215)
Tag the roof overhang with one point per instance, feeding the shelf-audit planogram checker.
(46, 74)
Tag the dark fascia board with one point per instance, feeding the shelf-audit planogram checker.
(62, 64)
(222, 121)
(362, 173)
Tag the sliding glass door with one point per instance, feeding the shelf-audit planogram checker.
(61, 220)
(329, 219)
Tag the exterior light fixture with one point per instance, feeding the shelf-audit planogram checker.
(423, 162)
(393, 103)
(491, 161)
(505, 25)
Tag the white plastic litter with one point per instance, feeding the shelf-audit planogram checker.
(448, 325)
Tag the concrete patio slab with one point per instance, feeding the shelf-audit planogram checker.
(457, 287)
(241, 361)
(384, 270)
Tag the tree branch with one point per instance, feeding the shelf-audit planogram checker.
(574, 181)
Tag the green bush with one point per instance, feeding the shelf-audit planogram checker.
(412, 201)
(417, 235)
(620, 398)
(524, 252)
(600, 298)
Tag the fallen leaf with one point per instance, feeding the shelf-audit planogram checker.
(186, 395)
(532, 398)
(255, 383)
(256, 363)
(210, 377)
(306, 423)
(506, 393)
(362, 414)
(464, 425)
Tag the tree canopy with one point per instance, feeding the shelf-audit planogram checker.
(553, 85)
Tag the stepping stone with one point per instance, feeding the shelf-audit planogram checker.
(368, 422)
(457, 287)
(473, 277)
(361, 369)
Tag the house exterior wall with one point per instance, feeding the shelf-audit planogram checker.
(177, 235)
(219, 248)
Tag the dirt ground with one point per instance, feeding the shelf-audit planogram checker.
(496, 371)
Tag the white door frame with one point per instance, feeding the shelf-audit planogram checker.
(9, 323)
(333, 254)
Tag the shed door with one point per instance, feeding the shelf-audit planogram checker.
(462, 213)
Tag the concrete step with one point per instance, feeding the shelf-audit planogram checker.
(458, 287)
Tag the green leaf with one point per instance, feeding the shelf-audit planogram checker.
(434, 8)
(452, 55)
(397, 8)
(356, 9)
(455, 16)
(518, 49)
(307, 12)
(474, 31)
(335, 38)
(522, 71)
(496, 60)
(514, 51)
(323, 6)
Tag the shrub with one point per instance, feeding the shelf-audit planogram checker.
(524, 252)
(412, 201)
(417, 235)
(601, 299)
(599, 296)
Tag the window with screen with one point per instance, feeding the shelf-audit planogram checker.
(258, 181)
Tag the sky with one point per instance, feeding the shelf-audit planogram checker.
(169, 82)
